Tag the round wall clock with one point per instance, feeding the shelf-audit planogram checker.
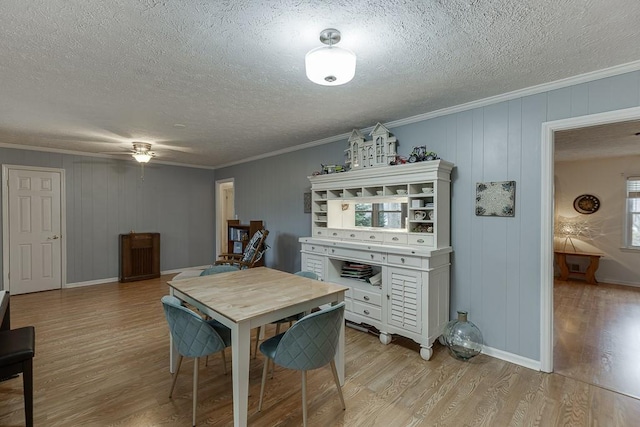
(586, 204)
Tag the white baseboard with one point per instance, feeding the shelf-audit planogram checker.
(91, 282)
(115, 279)
(512, 358)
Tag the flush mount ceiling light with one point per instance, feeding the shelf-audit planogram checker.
(330, 65)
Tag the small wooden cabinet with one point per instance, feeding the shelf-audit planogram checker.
(139, 256)
(240, 234)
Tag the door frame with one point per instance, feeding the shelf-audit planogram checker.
(5, 221)
(221, 225)
(546, 216)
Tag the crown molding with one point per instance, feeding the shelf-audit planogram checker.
(532, 90)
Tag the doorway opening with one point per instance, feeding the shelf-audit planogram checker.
(547, 218)
(225, 210)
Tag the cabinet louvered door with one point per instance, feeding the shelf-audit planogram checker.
(404, 292)
(314, 264)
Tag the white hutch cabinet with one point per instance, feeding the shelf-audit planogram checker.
(393, 222)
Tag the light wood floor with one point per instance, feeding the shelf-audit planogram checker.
(597, 334)
(102, 356)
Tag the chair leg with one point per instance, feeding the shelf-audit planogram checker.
(337, 380)
(273, 367)
(224, 362)
(196, 361)
(304, 398)
(175, 375)
(27, 382)
(264, 380)
(277, 328)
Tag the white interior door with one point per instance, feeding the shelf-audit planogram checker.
(34, 230)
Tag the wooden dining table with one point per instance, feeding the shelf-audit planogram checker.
(246, 299)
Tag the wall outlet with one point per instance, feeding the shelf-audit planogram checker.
(574, 267)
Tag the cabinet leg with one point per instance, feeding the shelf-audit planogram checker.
(385, 338)
(426, 352)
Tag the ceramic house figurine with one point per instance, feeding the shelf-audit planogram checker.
(379, 151)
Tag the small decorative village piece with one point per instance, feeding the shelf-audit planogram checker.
(379, 151)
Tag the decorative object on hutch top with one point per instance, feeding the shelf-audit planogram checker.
(495, 198)
(586, 204)
(463, 338)
(369, 233)
(139, 256)
(379, 151)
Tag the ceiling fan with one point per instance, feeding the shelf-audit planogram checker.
(141, 152)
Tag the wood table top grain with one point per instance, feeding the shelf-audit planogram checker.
(246, 294)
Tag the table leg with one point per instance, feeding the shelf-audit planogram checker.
(590, 274)
(240, 351)
(562, 263)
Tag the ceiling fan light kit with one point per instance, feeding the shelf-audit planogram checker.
(330, 65)
(141, 152)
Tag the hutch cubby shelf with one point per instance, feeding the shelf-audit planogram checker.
(407, 246)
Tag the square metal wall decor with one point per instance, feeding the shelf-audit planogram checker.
(496, 198)
(307, 202)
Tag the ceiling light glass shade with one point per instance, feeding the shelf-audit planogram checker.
(330, 65)
(142, 157)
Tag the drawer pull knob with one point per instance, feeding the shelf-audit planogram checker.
(372, 237)
(333, 250)
(395, 239)
(402, 260)
(420, 241)
(366, 298)
(335, 234)
(371, 256)
(366, 312)
(352, 235)
(319, 232)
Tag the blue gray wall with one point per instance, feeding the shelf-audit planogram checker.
(105, 198)
(495, 271)
(496, 261)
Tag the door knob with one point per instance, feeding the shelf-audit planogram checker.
(54, 237)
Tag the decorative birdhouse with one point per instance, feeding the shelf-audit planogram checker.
(379, 151)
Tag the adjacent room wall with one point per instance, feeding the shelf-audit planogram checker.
(606, 179)
(106, 197)
(496, 261)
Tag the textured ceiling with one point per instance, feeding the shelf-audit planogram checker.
(94, 75)
(596, 142)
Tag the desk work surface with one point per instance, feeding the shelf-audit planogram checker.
(578, 253)
(244, 294)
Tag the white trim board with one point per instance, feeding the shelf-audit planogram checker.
(546, 217)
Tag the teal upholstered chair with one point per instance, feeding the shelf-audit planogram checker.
(310, 343)
(290, 319)
(193, 337)
(219, 269)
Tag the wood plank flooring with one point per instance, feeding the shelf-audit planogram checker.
(597, 334)
(102, 358)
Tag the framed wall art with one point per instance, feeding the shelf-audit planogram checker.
(496, 198)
